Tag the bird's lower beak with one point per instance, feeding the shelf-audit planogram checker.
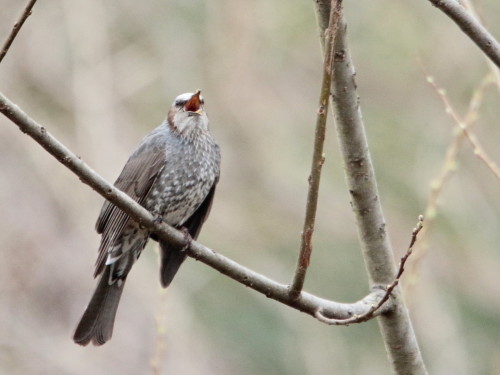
(194, 104)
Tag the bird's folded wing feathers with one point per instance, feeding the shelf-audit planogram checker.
(135, 180)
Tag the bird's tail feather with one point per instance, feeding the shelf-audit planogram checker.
(171, 260)
(97, 322)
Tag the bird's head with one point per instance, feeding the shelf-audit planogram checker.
(187, 113)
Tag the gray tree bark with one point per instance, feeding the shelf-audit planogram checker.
(396, 328)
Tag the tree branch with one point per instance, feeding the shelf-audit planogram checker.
(305, 302)
(318, 157)
(369, 314)
(469, 5)
(464, 127)
(471, 27)
(15, 29)
(449, 165)
(396, 328)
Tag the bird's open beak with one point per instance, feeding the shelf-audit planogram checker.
(194, 104)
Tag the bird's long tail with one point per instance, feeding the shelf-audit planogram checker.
(98, 319)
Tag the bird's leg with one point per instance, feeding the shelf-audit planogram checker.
(158, 219)
(187, 238)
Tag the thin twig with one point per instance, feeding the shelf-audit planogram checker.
(318, 156)
(160, 345)
(305, 302)
(479, 151)
(471, 27)
(15, 29)
(448, 169)
(450, 161)
(471, 137)
(370, 313)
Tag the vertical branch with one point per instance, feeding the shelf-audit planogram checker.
(396, 328)
(318, 157)
(15, 29)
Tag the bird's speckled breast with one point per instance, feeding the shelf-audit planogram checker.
(191, 168)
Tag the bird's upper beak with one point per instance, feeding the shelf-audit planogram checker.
(194, 104)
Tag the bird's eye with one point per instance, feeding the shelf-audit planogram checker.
(180, 103)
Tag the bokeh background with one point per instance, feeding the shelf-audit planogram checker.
(100, 75)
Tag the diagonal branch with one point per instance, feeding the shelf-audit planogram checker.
(469, 5)
(305, 302)
(448, 168)
(463, 126)
(318, 157)
(369, 314)
(15, 29)
(471, 27)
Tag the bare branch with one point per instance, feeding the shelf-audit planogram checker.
(471, 27)
(396, 328)
(469, 5)
(370, 313)
(318, 157)
(447, 170)
(305, 302)
(159, 348)
(471, 137)
(15, 29)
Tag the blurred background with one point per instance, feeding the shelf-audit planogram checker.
(100, 75)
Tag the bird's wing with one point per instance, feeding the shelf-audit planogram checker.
(136, 179)
(196, 220)
(172, 258)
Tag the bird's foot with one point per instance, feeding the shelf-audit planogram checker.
(158, 219)
(187, 239)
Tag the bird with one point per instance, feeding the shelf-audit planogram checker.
(173, 173)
